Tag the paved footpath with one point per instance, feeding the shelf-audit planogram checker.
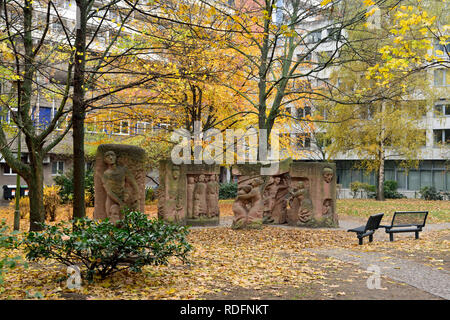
(433, 281)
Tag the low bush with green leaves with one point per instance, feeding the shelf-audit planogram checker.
(228, 190)
(150, 195)
(430, 193)
(390, 190)
(103, 248)
(65, 182)
(7, 241)
(356, 186)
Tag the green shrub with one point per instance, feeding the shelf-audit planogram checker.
(362, 186)
(150, 195)
(7, 241)
(65, 181)
(390, 190)
(228, 190)
(430, 193)
(103, 247)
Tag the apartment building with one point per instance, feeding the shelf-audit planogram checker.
(434, 156)
(59, 160)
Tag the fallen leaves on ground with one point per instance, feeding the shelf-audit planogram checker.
(222, 258)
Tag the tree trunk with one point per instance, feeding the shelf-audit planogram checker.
(36, 194)
(78, 114)
(380, 190)
(381, 155)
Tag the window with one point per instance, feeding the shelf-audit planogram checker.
(442, 136)
(441, 77)
(124, 127)
(160, 126)
(303, 140)
(315, 36)
(57, 167)
(63, 3)
(45, 116)
(8, 171)
(324, 56)
(6, 115)
(303, 112)
(141, 127)
(441, 49)
(334, 34)
(57, 27)
(442, 109)
(121, 128)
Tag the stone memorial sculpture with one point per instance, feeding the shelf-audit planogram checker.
(171, 204)
(200, 201)
(189, 194)
(212, 196)
(299, 193)
(328, 174)
(248, 206)
(275, 200)
(301, 207)
(119, 181)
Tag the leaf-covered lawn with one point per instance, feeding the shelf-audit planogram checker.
(439, 211)
(224, 259)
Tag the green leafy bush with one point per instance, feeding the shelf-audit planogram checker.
(150, 195)
(390, 190)
(362, 186)
(65, 181)
(228, 190)
(430, 193)
(7, 241)
(102, 247)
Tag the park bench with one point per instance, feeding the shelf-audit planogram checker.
(369, 229)
(406, 221)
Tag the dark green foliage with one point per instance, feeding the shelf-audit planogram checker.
(390, 190)
(65, 181)
(228, 190)
(150, 195)
(7, 241)
(356, 186)
(430, 193)
(104, 248)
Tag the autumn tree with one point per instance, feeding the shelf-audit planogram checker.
(29, 66)
(372, 119)
(276, 40)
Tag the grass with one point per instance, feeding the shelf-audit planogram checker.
(439, 211)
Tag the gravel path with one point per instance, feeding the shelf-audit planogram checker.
(436, 282)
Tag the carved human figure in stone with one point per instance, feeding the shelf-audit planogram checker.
(200, 204)
(114, 180)
(211, 197)
(301, 207)
(305, 210)
(254, 197)
(240, 205)
(327, 174)
(327, 208)
(190, 196)
(275, 201)
(174, 202)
